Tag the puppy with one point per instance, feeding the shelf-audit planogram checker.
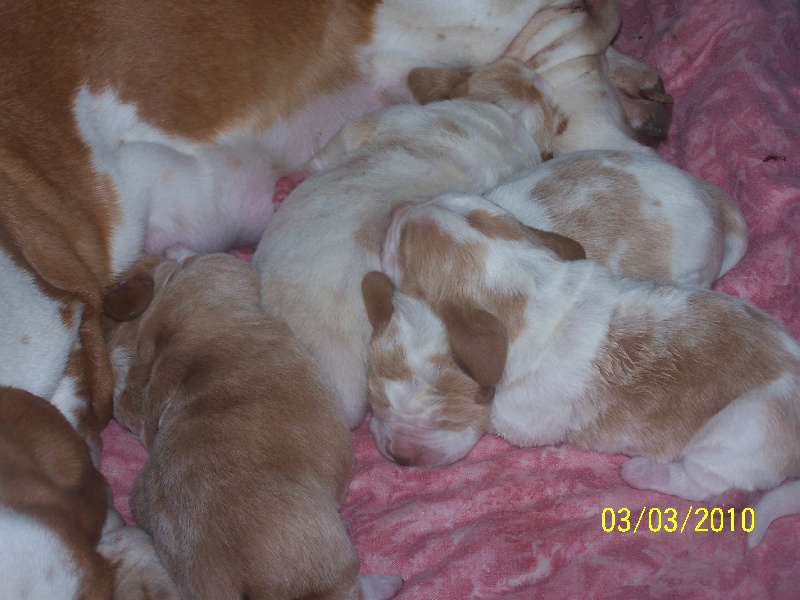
(633, 212)
(52, 505)
(494, 333)
(249, 453)
(327, 234)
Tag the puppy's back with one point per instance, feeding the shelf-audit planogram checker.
(250, 454)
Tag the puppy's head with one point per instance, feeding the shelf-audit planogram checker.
(507, 83)
(151, 302)
(431, 379)
(441, 339)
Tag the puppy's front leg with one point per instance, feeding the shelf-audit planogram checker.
(139, 573)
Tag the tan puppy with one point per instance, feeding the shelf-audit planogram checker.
(493, 332)
(249, 453)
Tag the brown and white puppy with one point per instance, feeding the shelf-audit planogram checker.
(633, 212)
(131, 125)
(249, 453)
(59, 537)
(52, 505)
(569, 47)
(492, 332)
(327, 234)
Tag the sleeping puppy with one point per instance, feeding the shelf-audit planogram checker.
(249, 453)
(634, 212)
(327, 234)
(569, 48)
(52, 505)
(491, 332)
(56, 516)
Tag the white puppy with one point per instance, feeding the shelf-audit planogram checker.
(240, 492)
(327, 234)
(700, 387)
(633, 212)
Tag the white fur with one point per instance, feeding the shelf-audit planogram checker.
(33, 561)
(36, 340)
(310, 259)
(549, 390)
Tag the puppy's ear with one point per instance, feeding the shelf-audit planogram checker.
(430, 84)
(479, 343)
(377, 290)
(129, 297)
(565, 247)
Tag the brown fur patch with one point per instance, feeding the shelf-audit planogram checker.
(462, 398)
(437, 269)
(659, 381)
(430, 84)
(208, 76)
(425, 252)
(46, 472)
(618, 189)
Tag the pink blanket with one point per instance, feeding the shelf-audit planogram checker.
(522, 524)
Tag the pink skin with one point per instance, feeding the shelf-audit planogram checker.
(287, 183)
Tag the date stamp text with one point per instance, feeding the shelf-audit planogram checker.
(670, 520)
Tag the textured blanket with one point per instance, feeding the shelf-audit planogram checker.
(523, 524)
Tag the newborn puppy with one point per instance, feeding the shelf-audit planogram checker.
(569, 49)
(327, 234)
(249, 453)
(52, 505)
(634, 212)
(494, 333)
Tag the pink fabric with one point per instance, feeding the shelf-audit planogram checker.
(522, 524)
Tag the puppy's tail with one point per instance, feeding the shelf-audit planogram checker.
(780, 502)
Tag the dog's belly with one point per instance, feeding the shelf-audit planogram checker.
(202, 195)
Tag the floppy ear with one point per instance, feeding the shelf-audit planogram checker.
(479, 342)
(431, 84)
(129, 297)
(565, 247)
(377, 290)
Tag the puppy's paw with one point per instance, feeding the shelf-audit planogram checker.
(379, 587)
(640, 90)
(139, 572)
